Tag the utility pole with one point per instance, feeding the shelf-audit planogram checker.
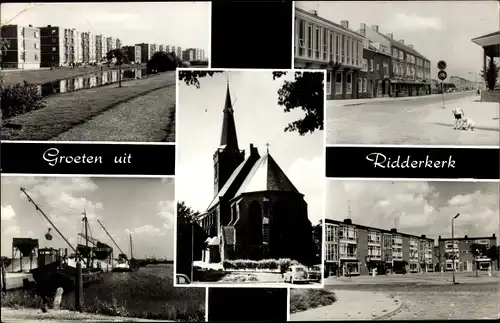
(453, 243)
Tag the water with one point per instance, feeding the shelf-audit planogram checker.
(89, 81)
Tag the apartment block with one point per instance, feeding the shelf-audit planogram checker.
(52, 47)
(118, 43)
(145, 52)
(133, 53)
(456, 254)
(153, 48)
(24, 51)
(161, 48)
(178, 52)
(110, 44)
(462, 83)
(100, 47)
(89, 47)
(168, 48)
(353, 249)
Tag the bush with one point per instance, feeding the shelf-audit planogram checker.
(304, 299)
(20, 98)
(23, 299)
(162, 62)
(197, 62)
(265, 264)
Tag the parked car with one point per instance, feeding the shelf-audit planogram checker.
(182, 279)
(315, 273)
(296, 274)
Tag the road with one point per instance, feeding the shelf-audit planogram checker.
(431, 302)
(415, 120)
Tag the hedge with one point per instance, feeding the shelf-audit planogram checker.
(265, 264)
(20, 98)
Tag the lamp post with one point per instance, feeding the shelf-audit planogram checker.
(453, 241)
(192, 250)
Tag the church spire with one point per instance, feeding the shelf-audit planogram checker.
(228, 136)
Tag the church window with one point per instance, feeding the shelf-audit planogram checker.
(216, 173)
(265, 230)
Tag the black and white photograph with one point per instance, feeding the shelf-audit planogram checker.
(105, 74)
(250, 177)
(91, 249)
(407, 251)
(406, 71)
(247, 304)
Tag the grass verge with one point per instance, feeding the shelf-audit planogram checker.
(304, 299)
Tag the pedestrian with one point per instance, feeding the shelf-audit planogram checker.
(459, 114)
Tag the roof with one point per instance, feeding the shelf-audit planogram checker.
(228, 135)
(266, 175)
(495, 33)
(402, 46)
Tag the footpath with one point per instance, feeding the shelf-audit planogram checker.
(353, 305)
(352, 102)
(36, 315)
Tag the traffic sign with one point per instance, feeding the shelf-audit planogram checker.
(442, 75)
(442, 65)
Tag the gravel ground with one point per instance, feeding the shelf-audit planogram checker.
(143, 119)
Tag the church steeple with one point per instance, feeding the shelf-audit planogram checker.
(228, 136)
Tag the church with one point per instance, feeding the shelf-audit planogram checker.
(256, 212)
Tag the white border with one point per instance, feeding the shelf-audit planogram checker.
(177, 123)
(288, 291)
(88, 176)
(411, 146)
(206, 300)
(90, 142)
(388, 179)
(209, 57)
(293, 38)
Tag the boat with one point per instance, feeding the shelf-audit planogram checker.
(124, 264)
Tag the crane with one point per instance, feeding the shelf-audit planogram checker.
(109, 235)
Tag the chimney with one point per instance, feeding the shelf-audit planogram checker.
(411, 46)
(394, 230)
(49, 26)
(402, 41)
(347, 221)
(362, 29)
(314, 12)
(465, 237)
(375, 27)
(423, 236)
(390, 35)
(439, 238)
(494, 235)
(30, 25)
(345, 24)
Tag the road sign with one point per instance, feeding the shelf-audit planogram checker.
(442, 65)
(442, 75)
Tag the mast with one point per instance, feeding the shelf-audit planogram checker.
(47, 218)
(109, 235)
(131, 250)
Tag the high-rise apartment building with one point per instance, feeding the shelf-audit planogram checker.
(24, 50)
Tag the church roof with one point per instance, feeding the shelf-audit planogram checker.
(228, 136)
(266, 175)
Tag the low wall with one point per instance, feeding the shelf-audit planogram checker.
(490, 96)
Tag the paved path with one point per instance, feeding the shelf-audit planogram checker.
(419, 120)
(148, 118)
(36, 315)
(352, 305)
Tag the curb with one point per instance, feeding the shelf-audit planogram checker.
(386, 315)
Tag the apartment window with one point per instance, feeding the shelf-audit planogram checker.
(328, 83)
(401, 55)
(302, 33)
(377, 68)
(395, 69)
(338, 83)
(330, 44)
(337, 48)
(53, 31)
(325, 44)
(386, 69)
(309, 40)
(348, 51)
(35, 45)
(394, 53)
(343, 44)
(365, 65)
(316, 42)
(36, 34)
(357, 53)
(371, 65)
(36, 57)
(353, 50)
(365, 85)
(360, 85)
(53, 49)
(349, 88)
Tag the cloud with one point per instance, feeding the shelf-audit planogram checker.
(147, 229)
(166, 211)
(12, 230)
(307, 176)
(413, 22)
(7, 213)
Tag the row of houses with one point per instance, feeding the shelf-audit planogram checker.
(362, 63)
(34, 47)
(354, 249)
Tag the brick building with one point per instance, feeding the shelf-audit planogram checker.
(256, 213)
(323, 44)
(459, 250)
(24, 51)
(133, 53)
(353, 249)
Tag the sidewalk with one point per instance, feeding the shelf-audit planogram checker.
(351, 102)
(353, 305)
(484, 114)
(36, 315)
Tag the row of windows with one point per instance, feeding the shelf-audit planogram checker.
(409, 58)
(320, 43)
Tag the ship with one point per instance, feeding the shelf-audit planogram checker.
(124, 264)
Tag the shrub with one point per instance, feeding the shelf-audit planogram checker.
(20, 98)
(197, 62)
(162, 62)
(23, 299)
(304, 299)
(265, 264)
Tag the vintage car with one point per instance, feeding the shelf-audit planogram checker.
(296, 274)
(182, 279)
(315, 272)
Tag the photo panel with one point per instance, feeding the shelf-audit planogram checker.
(427, 250)
(107, 74)
(120, 231)
(249, 180)
(247, 304)
(393, 73)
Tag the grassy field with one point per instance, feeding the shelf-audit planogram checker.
(304, 299)
(67, 110)
(42, 76)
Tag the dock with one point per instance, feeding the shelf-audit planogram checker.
(15, 280)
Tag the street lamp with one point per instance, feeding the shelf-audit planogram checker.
(192, 249)
(453, 242)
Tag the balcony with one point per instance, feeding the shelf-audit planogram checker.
(348, 256)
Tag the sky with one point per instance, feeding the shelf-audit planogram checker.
(259, 120)
(185, 24)
(143, 207)
(418, 207)
(439, 30)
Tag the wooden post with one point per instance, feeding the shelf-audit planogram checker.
(4, 279)
(79, 287)
(57, 299)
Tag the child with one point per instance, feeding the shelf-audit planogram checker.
(458, 113)
(467, 124)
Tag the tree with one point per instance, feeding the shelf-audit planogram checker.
(119, 55)
(162, 62)
(306, 92)
(491, 75)
(477, 251)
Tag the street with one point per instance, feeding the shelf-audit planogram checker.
(412, 120)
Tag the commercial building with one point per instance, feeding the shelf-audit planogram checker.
(52, 47)
(145, 52)
(462, 83)
(100, 47)
(24, 50)
(353, 249)
(457, 253)
(323, 44)
(133, 53)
